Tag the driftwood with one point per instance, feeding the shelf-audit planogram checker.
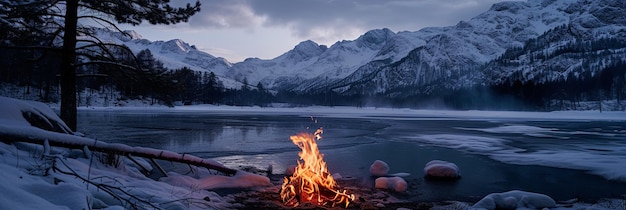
(78, 142)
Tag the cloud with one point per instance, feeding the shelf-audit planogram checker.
(267, 28)
(225, 14)
(305, 17)
(222, 52)
(335, 18)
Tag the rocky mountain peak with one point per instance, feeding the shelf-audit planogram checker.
(304, 51)
(375, 39)
(382, 60)
(133, 34)
(176, 46)
(309, 48)
(509, 6)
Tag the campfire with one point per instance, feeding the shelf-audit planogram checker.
(311, 182)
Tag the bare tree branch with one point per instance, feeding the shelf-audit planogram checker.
(114, 191)
(112, 63)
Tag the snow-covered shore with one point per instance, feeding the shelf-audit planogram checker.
(347, 111)
(39, 176)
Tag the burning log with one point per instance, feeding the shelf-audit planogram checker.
(311, 182)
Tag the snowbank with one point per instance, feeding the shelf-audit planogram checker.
(21, 190)
(31, 180)
(43, 177)
(240, 180)
(515, 199)
(30, 113)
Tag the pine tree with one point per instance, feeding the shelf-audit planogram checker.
(212, 88)
(64, 13)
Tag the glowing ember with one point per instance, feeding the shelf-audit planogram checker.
(311, 181)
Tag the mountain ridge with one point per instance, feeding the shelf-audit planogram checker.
(381, 60)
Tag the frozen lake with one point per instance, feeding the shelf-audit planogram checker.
(564, 154)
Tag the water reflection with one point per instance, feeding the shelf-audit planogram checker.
(216, 134)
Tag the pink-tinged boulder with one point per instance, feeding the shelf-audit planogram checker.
(379, 168)
(391, 183)
(439, 169)
(290, 170)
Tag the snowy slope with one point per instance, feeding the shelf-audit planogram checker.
(312, 62)
(592, 40)
(436, 57)
(450, 56)
(174, 53)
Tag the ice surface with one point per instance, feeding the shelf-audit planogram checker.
(513, 137)
(499, 140)
(469, 143)
(521, 129)
(610, 167)
(598, 158)
(537, 131)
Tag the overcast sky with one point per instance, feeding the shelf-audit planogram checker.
(239, 29)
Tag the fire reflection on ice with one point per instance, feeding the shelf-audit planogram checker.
(311, 182)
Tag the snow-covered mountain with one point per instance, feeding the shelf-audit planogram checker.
(174, 53)
(308, 62)
(451, 56)
(454, 56)
(592, 40)
(384, 62)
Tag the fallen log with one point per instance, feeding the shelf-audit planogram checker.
(35, 122)
(38, 136)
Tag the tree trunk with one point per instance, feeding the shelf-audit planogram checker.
(68, 69)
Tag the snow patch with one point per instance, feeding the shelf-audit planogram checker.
(469, 143)
(515, 199)
(240, 180)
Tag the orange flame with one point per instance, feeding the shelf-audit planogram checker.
(311, 181)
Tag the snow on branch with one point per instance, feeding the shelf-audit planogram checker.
(77, 142)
